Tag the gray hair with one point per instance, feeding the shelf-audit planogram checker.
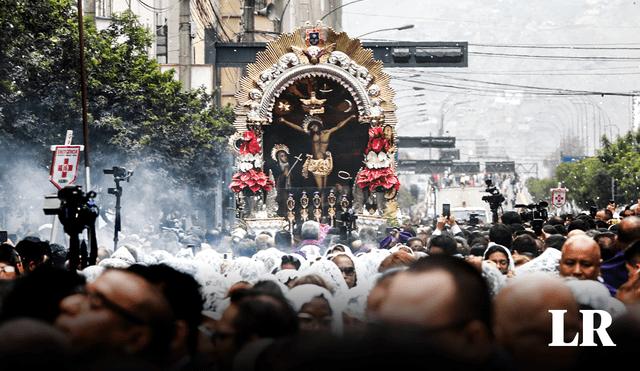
(310, 230)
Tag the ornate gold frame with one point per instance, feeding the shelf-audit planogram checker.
(334, 56)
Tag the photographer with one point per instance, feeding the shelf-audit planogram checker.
(443, 221)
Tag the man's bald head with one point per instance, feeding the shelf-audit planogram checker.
(628, 231)
(528, 340)
(576, 232)
(580, 258)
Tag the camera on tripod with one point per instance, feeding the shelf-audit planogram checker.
(76, 212)
(119, 172)
(74, 208)
(495, 198)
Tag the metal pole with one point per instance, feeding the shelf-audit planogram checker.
(83, 77)
(249, 6)
(613, 191)
(118, 221)
(184, 59)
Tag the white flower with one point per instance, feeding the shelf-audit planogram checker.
(384, 159)
(249, 162)
(245, 166)
(377, 160)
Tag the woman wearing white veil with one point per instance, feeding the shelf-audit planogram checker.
(330, 272)
(246, 268)
(302, 299)
(504, 267)
(361, 281)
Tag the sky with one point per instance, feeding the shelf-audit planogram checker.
(538, 71)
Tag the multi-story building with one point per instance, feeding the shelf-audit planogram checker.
(211, 21)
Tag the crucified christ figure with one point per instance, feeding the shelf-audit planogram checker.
(319, 162)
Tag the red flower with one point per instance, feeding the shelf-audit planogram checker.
(253, 179)
(250, 144)
(377, 141)
(375, 132)
(378, 144)
(373, 178)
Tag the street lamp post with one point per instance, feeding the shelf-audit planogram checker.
(405, 27)
(341, 6)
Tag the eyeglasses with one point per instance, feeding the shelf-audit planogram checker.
(98, 301)
(7, 268)
(349, 271)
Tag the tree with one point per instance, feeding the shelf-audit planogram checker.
(589, 180)
(136, 113)
(540, 188)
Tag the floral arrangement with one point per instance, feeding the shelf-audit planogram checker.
(254, 180)
(378, 172)
(250, 176)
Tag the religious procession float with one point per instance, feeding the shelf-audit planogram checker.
(315, 134)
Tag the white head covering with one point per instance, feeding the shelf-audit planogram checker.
(311, 252)
(113, 263)
(213, 289)
(285, 275)
(354, 304)
(91, 272)
(124, 254)
(300, 295)
(273, 278)
(211, 258)
(148, 259)
(328, 252)
(511, 266)
(184, 265)
(547, 262)
(270, 257)
(246, 268)
(370, 262)
(596, 295)
(161, 255)
(362, 279)
(185, 253)
(330, 272)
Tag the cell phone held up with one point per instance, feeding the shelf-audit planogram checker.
(446, 210)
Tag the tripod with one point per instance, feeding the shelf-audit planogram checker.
(119, 174)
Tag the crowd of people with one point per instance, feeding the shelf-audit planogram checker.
(453, 296)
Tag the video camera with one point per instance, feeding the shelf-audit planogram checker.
(77, 212)
(537, 215)
(537, 211)
(473, 219)
(495, 199)
(119, 172)
(75, 209)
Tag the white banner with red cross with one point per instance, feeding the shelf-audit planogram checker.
(558, 197)
(64, 166)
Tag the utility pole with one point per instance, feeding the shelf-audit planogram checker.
(249, 26)
(185, 46)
